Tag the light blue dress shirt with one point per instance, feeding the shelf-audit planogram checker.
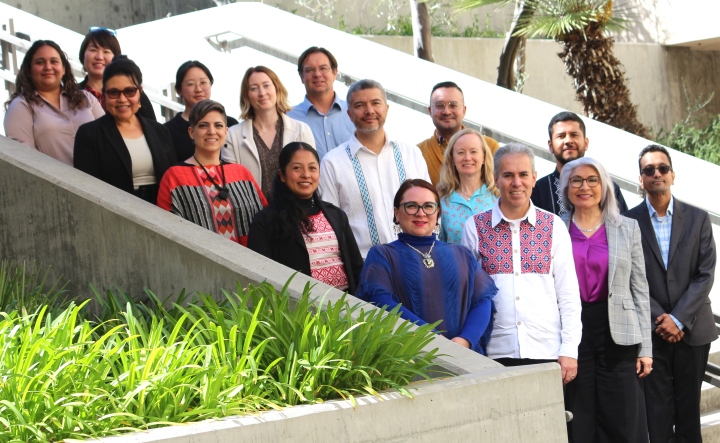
(456, 210)
(330, 130)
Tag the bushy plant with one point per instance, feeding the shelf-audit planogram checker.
(65, 373)
(703, 142)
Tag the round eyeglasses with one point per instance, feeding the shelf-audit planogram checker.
(412, 208)
(577, 182)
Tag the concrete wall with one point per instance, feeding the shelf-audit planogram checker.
(90, 232)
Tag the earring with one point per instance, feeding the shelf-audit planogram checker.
(396, 229)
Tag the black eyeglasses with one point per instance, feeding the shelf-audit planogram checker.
(100, 28)
(128, 92)
(412, 208)
(577, 181)
(650, 170)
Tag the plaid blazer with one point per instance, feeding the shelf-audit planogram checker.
(628, 293)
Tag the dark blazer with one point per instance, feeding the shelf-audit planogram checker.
(146, 108)
(682, 290)
(294, 254)
(101, 152)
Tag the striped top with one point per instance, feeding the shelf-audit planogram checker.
(186, 190)
(326, 262)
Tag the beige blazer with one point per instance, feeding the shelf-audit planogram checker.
(240, 145)
(628, 293)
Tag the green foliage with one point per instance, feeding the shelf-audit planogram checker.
(24, 287)
(67, 374)
(703, 143)
(556, 18)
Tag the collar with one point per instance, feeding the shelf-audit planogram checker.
(497, 215)
(652, 210)
(555, 173)
(455, 197)
(355, 145)
(442, 140)
(307, 105)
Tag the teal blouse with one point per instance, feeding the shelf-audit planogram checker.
(456, 210)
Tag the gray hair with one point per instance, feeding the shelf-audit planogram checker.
(608, 202)
(513, 149)
(361, 85)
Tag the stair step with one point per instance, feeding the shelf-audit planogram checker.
(709, 399)
(710, 427)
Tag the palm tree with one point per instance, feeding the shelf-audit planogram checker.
(598, 76)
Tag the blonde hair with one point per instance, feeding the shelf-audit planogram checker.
(449, 177)
(281, 104)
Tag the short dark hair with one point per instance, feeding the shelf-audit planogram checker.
(183, 70)
(446, 85)
(314, 50)
(101, 37)
(652, 148)
(121, 65)
(362, 85)
(565, 116)
(203, 108)
(416, 183)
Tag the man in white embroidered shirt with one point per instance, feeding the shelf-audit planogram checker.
(528, 253)
(362, 175)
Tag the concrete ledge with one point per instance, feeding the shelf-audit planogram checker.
(90, 232)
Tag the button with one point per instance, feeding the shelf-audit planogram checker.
(517, 298)
(516, 274)
(516, 251)
(514, 231)
(328, 133)
(519, 323)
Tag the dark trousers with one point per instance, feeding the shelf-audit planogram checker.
(672, 391)
(606, 397)
(521, 361)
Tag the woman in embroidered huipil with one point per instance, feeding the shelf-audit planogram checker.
(256, 142)
(207, 191)
(615, 351)
(467, 183)
(303, 232)
(432, 280)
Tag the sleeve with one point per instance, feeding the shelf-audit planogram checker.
(232, 144)
(165, 191)
(328, 187)
(259, 238)
(420, 164)
(95, 106)
(470, 237)
(18, 122)
(701, 283)
(622, 206)
(478, 325)
(376, 285)
(567, 290)
(640, 290)
(85, 156)
(306, 134)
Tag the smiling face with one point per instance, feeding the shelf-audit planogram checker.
(447, 109)
(209, 134)
(419, 224)
(95, 59)
(367, 110)
(318, 75)
(515, 179)
(261, 92)
(468, 156)
(585, 197)
(195, 87)
(46, 69)
(568, 142)
(658, 183)
(122, 108)
(302, 174)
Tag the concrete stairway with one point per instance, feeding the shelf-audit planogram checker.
(710, 408)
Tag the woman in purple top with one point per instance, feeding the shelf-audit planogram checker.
(606, 398)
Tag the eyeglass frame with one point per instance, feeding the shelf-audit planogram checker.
(116, 92)
(646, 169)
(434, 204)
(453, 105)
(584, 180)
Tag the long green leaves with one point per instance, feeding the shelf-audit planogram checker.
(139, 366)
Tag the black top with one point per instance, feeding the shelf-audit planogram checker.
(546, 195)
(146, 108)
(184, 145)
(293, 253)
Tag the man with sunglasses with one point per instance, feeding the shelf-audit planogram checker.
(567, 143)
(680, 259)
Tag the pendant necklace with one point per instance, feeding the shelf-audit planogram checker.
(587, 230)
(223, 192)
(427, 258)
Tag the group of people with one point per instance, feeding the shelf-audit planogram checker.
(457, 231)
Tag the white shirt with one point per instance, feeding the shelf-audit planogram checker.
(339, 185)
(538, 302)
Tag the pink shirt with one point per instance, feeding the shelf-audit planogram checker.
(48, 129)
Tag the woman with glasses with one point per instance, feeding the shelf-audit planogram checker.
(431, 280)
(47, 106)
(303, 232)
(193, 83)
(615, 351)
(207, 191)
(124, 148)
(97, 50)
(256, 142)
(467, 184)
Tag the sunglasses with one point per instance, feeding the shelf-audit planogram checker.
(412, 208)
(650, 170)
(128, 92)
(99, 28)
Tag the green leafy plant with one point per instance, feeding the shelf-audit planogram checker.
(25, 287)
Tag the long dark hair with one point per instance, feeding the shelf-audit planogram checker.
(286, 212)
(68, 85)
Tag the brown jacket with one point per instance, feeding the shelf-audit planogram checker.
(433, 153)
